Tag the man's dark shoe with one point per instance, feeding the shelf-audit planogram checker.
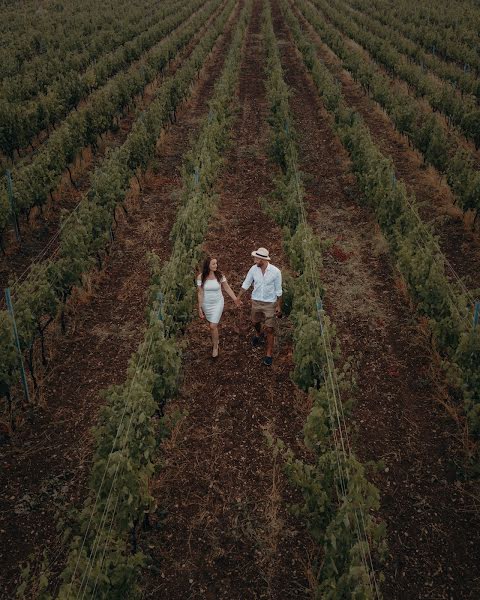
(257, 340)
(267, 360)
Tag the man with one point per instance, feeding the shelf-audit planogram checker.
(266, 298)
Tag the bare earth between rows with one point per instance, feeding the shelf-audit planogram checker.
(458, 242)
(224, 529)
(40, 236)
(433, 533)
(47, 468)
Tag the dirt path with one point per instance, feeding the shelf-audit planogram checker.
(42, 230)
(460, 245)
(47, 467)
(223, 529)
(433, 531)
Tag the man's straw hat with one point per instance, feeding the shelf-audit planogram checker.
(261, 253)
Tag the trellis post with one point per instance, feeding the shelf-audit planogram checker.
(23, 375)
(160, 306)
(476, 314)
(11, 199)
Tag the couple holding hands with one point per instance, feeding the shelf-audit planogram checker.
(266, 298)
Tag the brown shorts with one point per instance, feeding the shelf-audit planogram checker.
(264, 312)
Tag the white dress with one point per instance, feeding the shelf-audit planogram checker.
(213, 301)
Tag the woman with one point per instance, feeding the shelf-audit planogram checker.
(210, 297)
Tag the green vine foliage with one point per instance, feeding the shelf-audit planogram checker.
(42, 90)
(412, 245)
(200, 171)
(86, 234)
(114, 579)
(9, 364)
(101, 562)
(127, 437)
(460, 110)
(316, 432)
(424, 43)
(443, 148)
(35, 584)
(344, 571)
(467, 357)
(35, 180)
(303, 248)
(336, 492)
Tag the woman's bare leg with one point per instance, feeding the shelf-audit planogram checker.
(214, 330)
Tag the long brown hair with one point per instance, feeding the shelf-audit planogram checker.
(206, 270)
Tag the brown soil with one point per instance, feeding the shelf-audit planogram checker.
(398, 84)
(45, 470)
(28, 151)
(372, 21)
(223, 528)
(433, 527)
(460, 245)
(40, 237)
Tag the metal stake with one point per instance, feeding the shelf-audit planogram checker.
(23, 375)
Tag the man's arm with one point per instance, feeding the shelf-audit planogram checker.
(278, 292)
(246, 284)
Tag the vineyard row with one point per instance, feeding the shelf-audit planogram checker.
(440, 147)
(414, 250)
(100, 560)
(33, 36)
(388, 28)
(35, 181)
(23, 122)
(338, 500)
(35, 77)
(460, 111)
(446, 28)
(87, 233)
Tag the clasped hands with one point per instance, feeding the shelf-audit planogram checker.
(238, 304)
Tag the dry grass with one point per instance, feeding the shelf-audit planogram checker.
(249, 152)
(269, 534)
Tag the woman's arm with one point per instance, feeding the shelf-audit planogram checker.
(200, 301)
(229, 291)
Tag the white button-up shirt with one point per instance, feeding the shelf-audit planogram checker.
(266, 287)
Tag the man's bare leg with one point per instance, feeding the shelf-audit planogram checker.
(259, 337)
(270, 340)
